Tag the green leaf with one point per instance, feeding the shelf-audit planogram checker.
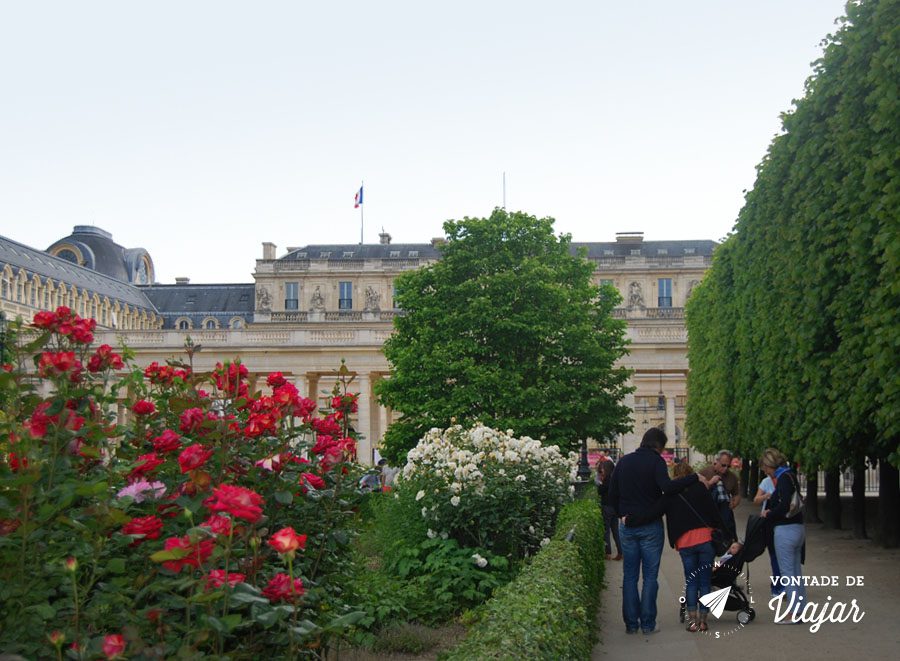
(284, 497)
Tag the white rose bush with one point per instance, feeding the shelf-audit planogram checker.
(487, 489)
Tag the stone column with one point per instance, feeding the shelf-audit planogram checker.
(312, 387)
(364, 417)
(631, 440)
(670, 420)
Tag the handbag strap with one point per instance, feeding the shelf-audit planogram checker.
(696, 513)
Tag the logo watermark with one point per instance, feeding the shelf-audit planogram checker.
(796, 609)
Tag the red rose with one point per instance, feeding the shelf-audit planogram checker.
(148, 526)
(275, 379)
(218, 524)
(281, 589)
(327, 425)
(55, 363)
(144, 465)
(114, 646)
(287, 540)
(143, 407)
(193, 457)
(312, 480)
(216, 579)
(240, 502)
(304, 408)
(168, 441)
(197, 553)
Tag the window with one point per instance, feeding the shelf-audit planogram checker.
(325, 255)
(662, 251)
(394, 294)
(395, 254)
(665, 292)
(413, 253)
(291, 295)
(607, 252)
(183, 324)
(688, 251)
(636, 251)
(345, 299)
(348, 254)
(210, 324)
(236, 323)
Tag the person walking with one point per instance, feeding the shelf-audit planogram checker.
(638, 482)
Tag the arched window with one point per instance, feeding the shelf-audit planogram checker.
(210, 324)
(236, 323)
(183, 323)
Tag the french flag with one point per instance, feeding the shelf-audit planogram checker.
(358, 198)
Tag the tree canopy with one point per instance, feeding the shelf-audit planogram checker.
(507, 329)
(795, 331)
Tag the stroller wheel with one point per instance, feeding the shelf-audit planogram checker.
(752, 614)
(681, 614)
(744, 617)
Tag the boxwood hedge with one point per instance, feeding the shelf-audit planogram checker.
(549, 611)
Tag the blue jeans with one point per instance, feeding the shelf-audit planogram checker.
(697, 561)
(788, 547)
(641, 546)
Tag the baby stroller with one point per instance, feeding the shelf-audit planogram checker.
(725, 574)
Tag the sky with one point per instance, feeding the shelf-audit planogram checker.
(199, 130)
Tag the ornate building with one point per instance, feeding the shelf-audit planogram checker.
(313, 306)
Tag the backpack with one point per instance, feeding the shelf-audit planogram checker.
(798, 503)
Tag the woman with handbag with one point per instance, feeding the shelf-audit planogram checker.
(784, 516)
(693, 523)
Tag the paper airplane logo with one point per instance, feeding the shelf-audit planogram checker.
(716, 601)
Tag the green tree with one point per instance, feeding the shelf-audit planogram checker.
(507, 329)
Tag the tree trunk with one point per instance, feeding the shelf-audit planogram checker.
(811, 515)
(833, 499)
(888, 504)
(859, 502)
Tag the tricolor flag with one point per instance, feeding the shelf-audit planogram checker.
(357, 199)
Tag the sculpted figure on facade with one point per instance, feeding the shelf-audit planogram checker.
(263, 300)
(635, 295)
(373, 299)
(317, 301)
(691, 285)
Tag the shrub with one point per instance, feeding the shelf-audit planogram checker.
(548, 612)
(487, 489)
(214, 521)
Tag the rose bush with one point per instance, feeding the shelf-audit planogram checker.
(158, 513)
(487, 489)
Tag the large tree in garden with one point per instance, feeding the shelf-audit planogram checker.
(507, 329)
(794, 334)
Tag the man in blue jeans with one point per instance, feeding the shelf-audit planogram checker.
(638, 482)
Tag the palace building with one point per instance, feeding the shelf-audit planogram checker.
(313, 306)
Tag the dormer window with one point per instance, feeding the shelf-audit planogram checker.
(395, 254)
(688, 251)
(413, 253)
(325, 254)
(636, 252)
(662, 251)
(608, 253)
(348, 254)
(301, 255)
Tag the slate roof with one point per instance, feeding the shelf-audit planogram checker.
(38, 262)
(101, 253)
(202, 299)
(599, 250)
(365, 251)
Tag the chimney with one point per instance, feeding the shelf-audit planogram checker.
(438, 241)
(182, 281)
(268, 250)
(384, 238)
(629, 237)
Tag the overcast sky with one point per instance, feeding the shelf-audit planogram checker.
(198, 130)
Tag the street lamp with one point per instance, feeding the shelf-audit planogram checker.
(661, 398)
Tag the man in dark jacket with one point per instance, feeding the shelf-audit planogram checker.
(638, 482)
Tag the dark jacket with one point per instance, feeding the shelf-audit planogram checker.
(639, 481)
(680, 517)
(780, 501)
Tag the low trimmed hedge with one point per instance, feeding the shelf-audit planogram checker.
(549, 611)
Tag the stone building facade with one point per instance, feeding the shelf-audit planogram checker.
(316, 305)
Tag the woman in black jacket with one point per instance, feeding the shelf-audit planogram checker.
(691, 517)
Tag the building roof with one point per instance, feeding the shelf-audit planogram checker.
(38, 262)
(202, 299)
(599, 250)
(364, 251)
(102, 254)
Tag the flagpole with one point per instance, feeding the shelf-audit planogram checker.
(504, 191)
(361, 207)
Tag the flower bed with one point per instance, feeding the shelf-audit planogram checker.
(548, 611)
(214, 521)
